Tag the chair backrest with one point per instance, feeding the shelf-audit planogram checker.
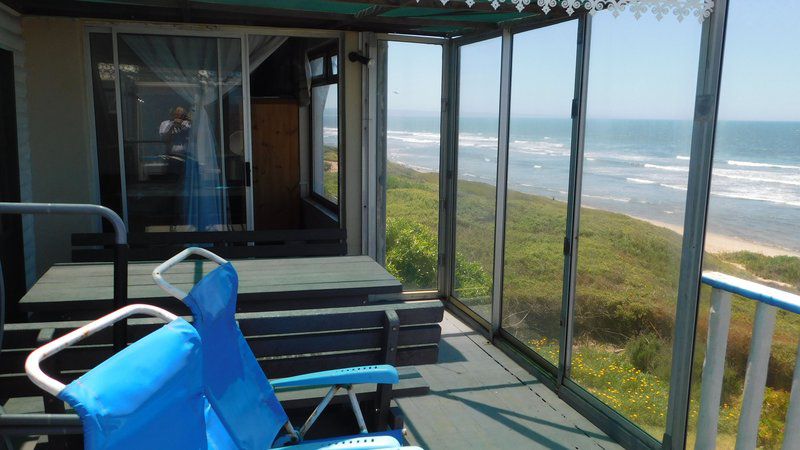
(236, 387)
(149, 395)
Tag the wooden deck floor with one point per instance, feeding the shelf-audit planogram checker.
(481, 399)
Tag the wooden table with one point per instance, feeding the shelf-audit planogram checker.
(75, 290)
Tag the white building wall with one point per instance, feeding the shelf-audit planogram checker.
(62, 157)
(11, 39)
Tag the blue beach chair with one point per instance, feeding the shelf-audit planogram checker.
(242, 400)
(147, 396)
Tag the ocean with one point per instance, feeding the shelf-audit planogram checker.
(634, 167)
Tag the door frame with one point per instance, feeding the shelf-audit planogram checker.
(377, 155)
(13, 274)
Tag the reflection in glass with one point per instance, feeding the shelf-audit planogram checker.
(478, 115)
(105, 121)
(754, 209)
(175, 91)
(538, 178)
(642, 79)
(412, 168)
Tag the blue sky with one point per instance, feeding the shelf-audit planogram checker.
(639, 68)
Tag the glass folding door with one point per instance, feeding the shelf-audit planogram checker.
(476, 173)
(539, 153)
(640, 108)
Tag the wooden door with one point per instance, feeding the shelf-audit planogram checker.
(12, 257)
(276, 164)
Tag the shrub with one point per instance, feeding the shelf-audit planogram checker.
(412, 255)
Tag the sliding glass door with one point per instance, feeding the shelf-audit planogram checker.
(181, 101)
(169, 120)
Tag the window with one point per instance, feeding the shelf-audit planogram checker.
(324, 112)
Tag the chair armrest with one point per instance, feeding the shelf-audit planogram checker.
(381, 374)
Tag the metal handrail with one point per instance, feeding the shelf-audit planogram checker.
(769, 301)
(67, 423)
(120, 247)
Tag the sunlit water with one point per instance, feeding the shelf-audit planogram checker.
(636, 167)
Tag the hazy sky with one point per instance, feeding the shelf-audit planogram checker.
(639, 68)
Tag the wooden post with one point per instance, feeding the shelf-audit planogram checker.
(713, 369)
(391, 323)
(791, 436)
(755, 378)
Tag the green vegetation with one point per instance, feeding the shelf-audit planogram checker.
(625, 297)
(785, 269)
(330, 173)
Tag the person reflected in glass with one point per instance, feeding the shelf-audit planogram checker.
(175, 134)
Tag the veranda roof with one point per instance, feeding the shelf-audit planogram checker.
(425, 17)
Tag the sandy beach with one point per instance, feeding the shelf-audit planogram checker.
(717, 243)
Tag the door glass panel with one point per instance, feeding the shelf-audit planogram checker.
(642, 80)
(754, 210)
(540, 134)
(177, 134)
(413, 113)
(478, 116)
(104, 96)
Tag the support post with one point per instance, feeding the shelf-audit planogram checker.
(501, 187)
(383, 398)
(713, 369)
(755, 379)
(448, 168)
(574, 194)
(701, 160)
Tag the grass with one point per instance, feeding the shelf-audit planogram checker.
(625, 294)
(330, 173)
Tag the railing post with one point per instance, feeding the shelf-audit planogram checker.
(791, 434)
(719, 320)
(755, 378)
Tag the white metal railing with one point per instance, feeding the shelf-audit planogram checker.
(769, 301)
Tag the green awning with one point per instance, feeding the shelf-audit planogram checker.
(455, 17)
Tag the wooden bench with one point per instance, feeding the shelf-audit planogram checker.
(286, 343)
(159, 246)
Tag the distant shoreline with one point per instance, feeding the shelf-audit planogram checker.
(719, 243)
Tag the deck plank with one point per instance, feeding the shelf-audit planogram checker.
(481, 399)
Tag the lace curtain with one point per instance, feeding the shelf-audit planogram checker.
(681, 9)
(184, 64)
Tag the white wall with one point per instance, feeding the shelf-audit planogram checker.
(61, 156)
(11, 39)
